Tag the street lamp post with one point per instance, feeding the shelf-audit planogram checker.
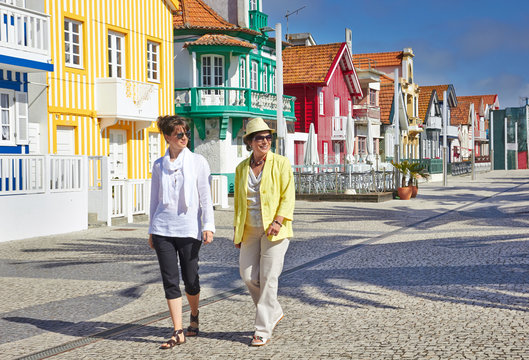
(281, 124)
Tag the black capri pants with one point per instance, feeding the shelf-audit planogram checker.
(169, 250)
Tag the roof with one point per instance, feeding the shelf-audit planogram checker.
(438, 88)
(490, 99)
(460, 114)
(425, 96)
(382, 59)
(385, 101)
(308, 64)
(219, 39)
(196, 14)
(476, 99)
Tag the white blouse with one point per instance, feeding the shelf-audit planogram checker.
(254, 217)
(178, 220)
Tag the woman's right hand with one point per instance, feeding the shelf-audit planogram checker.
(151, 245)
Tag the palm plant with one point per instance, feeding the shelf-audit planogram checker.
(416, 171)
(404, 168)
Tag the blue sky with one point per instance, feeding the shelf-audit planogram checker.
(479, 46)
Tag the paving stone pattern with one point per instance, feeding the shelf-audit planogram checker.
(443, 276)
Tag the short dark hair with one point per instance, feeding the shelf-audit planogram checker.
(167, 123)
(249, 138)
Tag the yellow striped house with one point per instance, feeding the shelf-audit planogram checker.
(113, 75)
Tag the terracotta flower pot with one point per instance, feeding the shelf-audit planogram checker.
(414, 190)
(404, 192)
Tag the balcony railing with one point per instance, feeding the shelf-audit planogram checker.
(363, 112)
(480, 134)
(218, 99)
(258, 20)
(339, 125)
(435, 123)
(24, 30)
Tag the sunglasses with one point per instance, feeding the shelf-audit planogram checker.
(181, 135)
(263, 137)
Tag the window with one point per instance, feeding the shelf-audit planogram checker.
(372, 97)
(212, 70)
(253, 5)
(273, 81)
(265, 78)
(321, 102)
(73, 32)
(116, 62)
(253, 76)
(362, 145)
(152, 61)
(6, 111)
(154, 148)
(336, 106)
(242, 71)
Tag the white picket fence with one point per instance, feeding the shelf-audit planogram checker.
(42, 195)
(29, 174)
(113, 198)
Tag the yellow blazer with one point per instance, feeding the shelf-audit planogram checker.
(278, 195)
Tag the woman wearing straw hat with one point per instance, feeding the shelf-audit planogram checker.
(264, 208)
(181, 219)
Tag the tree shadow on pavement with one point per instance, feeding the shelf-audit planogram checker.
(487, 271)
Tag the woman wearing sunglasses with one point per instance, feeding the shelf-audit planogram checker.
(181, 219)
(264, 208)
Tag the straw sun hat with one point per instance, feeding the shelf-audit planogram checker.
(256, 125)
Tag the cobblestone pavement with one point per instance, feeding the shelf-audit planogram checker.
(443, 276)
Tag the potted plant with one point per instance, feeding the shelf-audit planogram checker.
(416, 171)
(403, 167)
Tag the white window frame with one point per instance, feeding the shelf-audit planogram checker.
(273, 81)
(154, 148)
(153, 61)
(10, 124)
(73, 49)
(254, 5)
(242, 70)
(215, 73)
(116, 57)
(254, 75)
(22, 118)
(336, 106)
(265, 78)
(320, 95)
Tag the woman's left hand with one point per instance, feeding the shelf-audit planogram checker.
(273, 229)
(207, 237)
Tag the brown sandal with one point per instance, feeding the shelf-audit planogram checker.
(173, 342)
(191, 330)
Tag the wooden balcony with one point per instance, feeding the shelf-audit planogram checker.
(258, 20)
(24, 39)
(363, 112)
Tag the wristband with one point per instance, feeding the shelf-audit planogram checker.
(277, 222)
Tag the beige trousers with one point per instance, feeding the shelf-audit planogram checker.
(260, 264)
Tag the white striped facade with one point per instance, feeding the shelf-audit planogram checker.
(72, 91)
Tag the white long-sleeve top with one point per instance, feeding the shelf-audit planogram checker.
(178, 220)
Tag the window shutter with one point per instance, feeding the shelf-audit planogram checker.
(21, 115)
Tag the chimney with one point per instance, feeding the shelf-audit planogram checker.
(349, 39)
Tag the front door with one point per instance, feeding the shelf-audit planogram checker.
(65, 140)
(117, 154)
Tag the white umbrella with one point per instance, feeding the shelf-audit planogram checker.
(349, 140)
(369, 140)
(349, 148)
(311, 149)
